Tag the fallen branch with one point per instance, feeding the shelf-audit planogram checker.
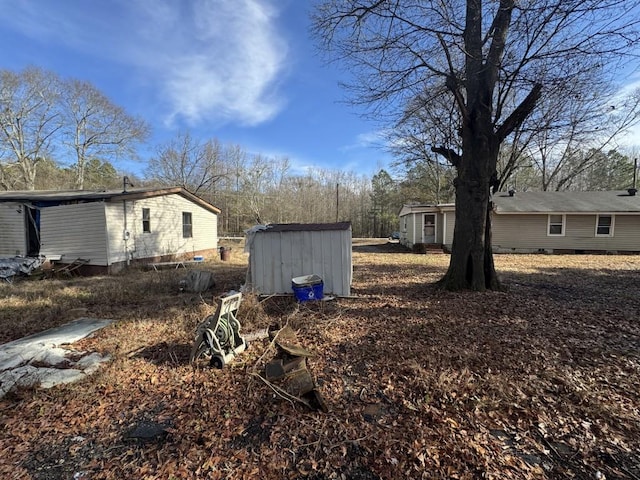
(275, 337)
(271, 345)
(282, 393)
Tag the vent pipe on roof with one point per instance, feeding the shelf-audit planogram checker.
(633, 190)
(512, 192)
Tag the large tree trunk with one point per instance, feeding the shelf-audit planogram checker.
(471, 265)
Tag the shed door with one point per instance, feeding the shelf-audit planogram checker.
(429, 229)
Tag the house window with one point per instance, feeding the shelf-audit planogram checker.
(556, 225)
(604, 226)
(187, 225)
(146, 220)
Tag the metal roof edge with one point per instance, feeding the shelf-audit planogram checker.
(297, 227)
(105, 195)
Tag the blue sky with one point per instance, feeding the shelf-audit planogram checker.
(245, 72)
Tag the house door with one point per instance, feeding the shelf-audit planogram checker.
(429, 228)
(32, 224)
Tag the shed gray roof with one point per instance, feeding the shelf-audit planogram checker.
(617, 201)
(97, 195)
(305, 227)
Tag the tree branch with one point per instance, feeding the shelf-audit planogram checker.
(498, 33)
(519, 115)
(452, 156)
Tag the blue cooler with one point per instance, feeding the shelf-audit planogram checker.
(307, 288)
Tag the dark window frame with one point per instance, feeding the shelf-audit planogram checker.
(187, 225)
(146, 220)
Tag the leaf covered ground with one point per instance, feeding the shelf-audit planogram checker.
(540, 381)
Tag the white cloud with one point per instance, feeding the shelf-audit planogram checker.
(229, 65)
(376, 138)
(216, 61)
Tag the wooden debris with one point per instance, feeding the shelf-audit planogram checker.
(289, 369)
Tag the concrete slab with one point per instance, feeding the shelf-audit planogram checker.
(39, 359)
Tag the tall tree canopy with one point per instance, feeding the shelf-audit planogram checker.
(494, 60)
(187, 162)
(95, 128)
(29, 123)
(43, 117)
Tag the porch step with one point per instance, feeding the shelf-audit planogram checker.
(429, 248)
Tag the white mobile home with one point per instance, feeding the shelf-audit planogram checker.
(110, 228)
(280, 252)
(601, 221)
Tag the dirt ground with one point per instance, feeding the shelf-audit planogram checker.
(539, 381)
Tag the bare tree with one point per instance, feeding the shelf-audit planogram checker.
(29, 121)
(254, 185)
(589, 126)
(278, 202)
(95, 128)
(188, 163)
(494, 60)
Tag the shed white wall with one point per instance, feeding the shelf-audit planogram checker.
(74, 231)
(13, 240)
(277, 257)
(165, 237)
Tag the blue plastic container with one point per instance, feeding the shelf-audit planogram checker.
(307, 288)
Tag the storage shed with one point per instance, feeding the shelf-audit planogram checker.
(280, 252)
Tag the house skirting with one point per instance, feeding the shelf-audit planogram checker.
(563, 251)
(117, 267)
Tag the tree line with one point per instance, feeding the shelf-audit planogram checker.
(65, 134)
(255, 189)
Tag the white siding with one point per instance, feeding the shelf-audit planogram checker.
(445, 222)
(165, 237)
(449, 227)
(12, 230)
(407, 230)
(74, 231)
(627, 232)
(277, 257)
(115, 228)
